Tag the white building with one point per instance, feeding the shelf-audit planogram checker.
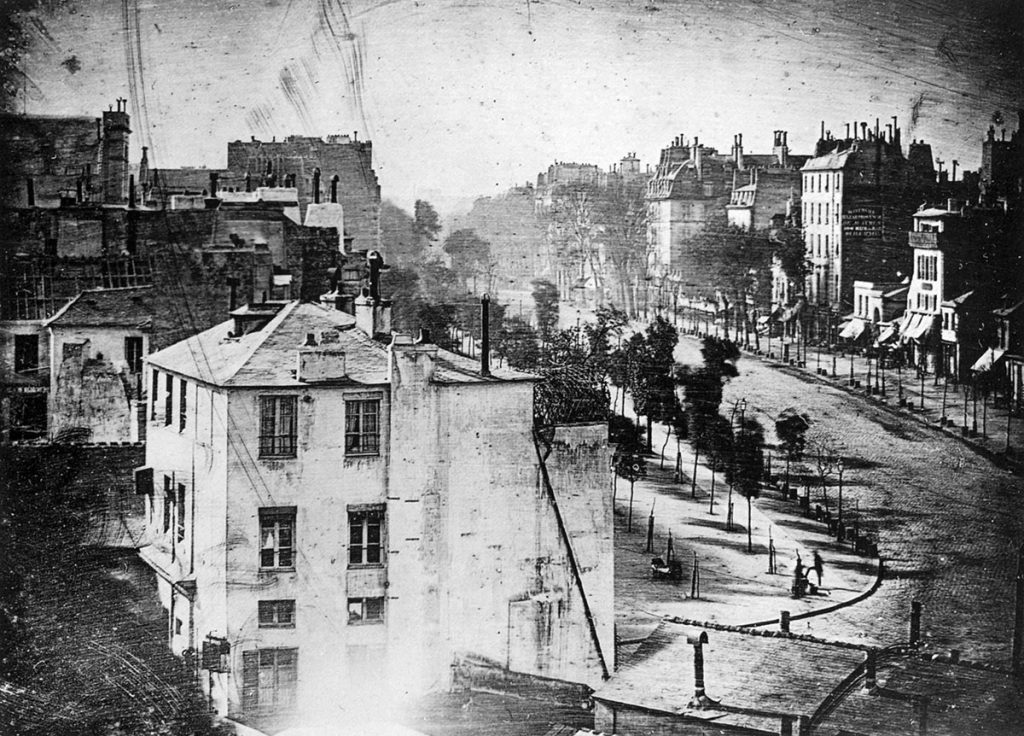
(335, 517)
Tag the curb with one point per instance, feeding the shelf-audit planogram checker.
(995, 458)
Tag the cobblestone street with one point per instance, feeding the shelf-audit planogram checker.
(948, 521)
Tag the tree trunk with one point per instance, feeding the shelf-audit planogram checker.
(750, 526)
(668, 434)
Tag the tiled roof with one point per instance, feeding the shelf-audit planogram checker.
(128, 307)
(741, 671)
(828, 162)
(267, 357)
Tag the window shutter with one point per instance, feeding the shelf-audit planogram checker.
(250, 680)
(143, 481)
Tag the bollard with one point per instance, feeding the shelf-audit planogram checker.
(784, 621)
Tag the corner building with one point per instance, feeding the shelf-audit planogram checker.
(337, 517)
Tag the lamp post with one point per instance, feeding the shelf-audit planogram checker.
(921, 370)
(851, 366)
(839, 466)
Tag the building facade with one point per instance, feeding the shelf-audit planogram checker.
(334, 518)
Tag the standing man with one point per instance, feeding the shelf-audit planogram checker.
(818, 566)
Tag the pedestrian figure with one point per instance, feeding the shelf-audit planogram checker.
(818, 566)
(798, 577)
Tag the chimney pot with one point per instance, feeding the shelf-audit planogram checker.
(485, 339)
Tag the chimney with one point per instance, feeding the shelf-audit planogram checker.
(863, 131)
(317, 364)
(485, 336)
(822, 130)
(739, 150)
(214, 176)
(955, 164)
(232, 282)
(700, 698)
(316, 185)
(334, 189)
(870, 671)
(915, 623)
(847, 130)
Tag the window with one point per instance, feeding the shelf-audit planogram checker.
(278, 426)
(365, 610)
(179, 524)
(26, 353)
(133, 353)
(277, 537)
(362, 427)
(366, 536)
(269, 678)
(168, 502)
(182, 405)
(826, 246)
(152, 398)
(168, 399)
(277, 614)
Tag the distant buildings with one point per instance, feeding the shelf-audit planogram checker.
(695, 186)
(337, 516)
(856, 200)
(72, 228)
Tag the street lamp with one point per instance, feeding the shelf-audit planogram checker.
(839, 466)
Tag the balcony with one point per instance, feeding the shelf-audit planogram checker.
(927, 239)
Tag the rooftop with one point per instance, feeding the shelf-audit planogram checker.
(127, 307)
(267, 357)
(741, 671)
(829, 162)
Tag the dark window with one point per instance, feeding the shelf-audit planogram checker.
(180, 516)
(365, 610)
(133, 353)
(155, 389)
(182, 405)
(71, 350)
(26, 353)
(362, 427)
(268, 679)
(168, 400)
(277, 537)
(278, 426)
(168, 502)
(366, 537)
(277, 614)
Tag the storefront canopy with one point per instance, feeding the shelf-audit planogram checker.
(916, 327)
(887, 335)
(988, 361)
(853, 330)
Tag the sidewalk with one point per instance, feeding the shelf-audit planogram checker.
(735, 587)
(947, 407)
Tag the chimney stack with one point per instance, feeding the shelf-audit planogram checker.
(232, 282)
(214, 176)
(316, 185)
(915, 623)
(870, 671)
(334, 189)
(700, 698)
(485, 338)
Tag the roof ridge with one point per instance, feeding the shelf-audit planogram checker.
(264, 334)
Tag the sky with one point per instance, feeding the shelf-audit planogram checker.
(464, 98)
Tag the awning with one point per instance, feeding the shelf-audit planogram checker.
(987, 361)
(853, 330)
(887, 335)
(916, 326)
(921, 327)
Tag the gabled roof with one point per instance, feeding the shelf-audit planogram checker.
(828, 162)
(267, 357)
(128, 307)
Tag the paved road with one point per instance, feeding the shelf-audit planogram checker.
(948, 521)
